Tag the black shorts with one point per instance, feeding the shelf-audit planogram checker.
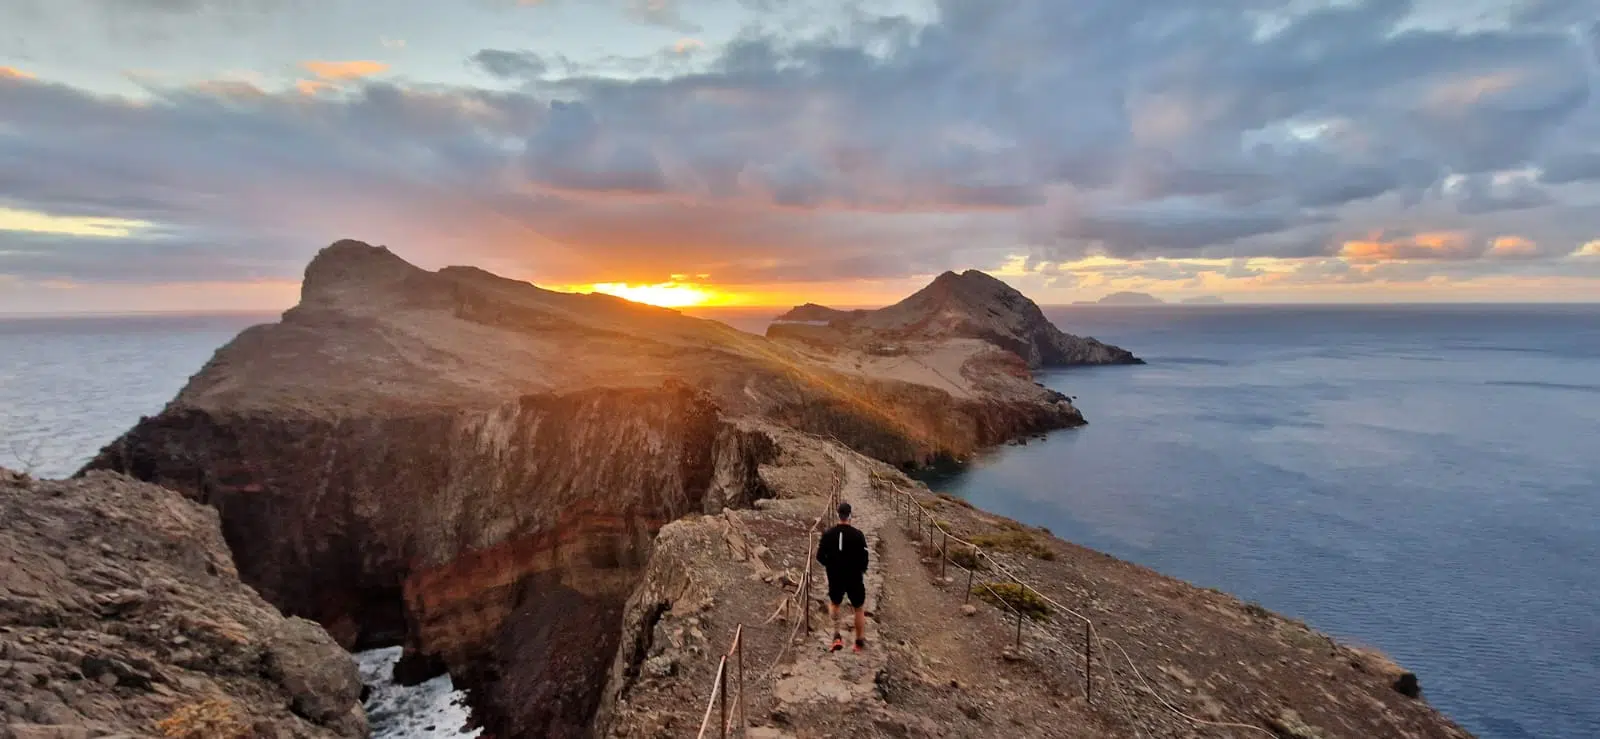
(839, 587)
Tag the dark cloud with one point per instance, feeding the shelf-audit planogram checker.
(1478, 194)
(1135, 129)
(511, 65)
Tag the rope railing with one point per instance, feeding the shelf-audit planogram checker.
(719, 691)
(801, 597)
(925, 526)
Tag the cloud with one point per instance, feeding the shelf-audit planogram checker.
(1430, 245)
(664, 13)
(512, 65)
(1513, 247)
(1341, 134)
(340, 71)
(14, 73)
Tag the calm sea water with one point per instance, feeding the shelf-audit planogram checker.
(1422, 480)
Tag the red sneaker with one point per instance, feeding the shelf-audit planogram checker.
(838, 643)
(860, 645)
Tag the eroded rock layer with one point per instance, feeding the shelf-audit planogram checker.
(500, 543)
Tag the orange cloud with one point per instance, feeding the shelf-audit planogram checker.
(1513, 246)
(686, 45)
(344, 70)
(312, 87)
(1426, 245)
(1463, 92)
(12, 73)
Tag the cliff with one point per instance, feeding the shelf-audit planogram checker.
(476, 468)
(969, 305)
(121, 614)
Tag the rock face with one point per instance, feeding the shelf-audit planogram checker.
(476, 468)
(121, 613)
(969, 305)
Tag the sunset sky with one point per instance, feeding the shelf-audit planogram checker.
(194, 154)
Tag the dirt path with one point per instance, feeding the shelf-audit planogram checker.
(819, 687)
(955, 673)
(926, 658)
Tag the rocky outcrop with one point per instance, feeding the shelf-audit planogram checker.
(121, 614)
(969, 305)
(499, 543)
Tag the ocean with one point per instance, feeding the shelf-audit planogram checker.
(1424, 480)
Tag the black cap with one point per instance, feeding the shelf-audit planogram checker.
(844, 510)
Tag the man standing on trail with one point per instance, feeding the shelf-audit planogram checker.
(843, 553)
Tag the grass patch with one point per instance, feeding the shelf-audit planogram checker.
(1015, 540)
(948, 498)
(1003, 594)
(966, 557)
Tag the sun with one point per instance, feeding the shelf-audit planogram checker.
(662, 294)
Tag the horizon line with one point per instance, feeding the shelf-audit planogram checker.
(14, 315)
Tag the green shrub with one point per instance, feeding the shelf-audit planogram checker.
(1002, 594)
(966, 556)
(948, 498)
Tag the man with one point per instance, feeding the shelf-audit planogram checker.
(843, 553)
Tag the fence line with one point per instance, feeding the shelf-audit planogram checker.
(926, 522)
(926, 525)
(719, 690)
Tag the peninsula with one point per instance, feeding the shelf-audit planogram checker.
(570, 503)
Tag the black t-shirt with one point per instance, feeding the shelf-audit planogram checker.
(843, 551)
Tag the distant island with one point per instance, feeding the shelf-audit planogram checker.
(1124, 298)
(1134, 298)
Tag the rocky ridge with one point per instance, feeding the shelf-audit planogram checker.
(121, 614)
(968, 305)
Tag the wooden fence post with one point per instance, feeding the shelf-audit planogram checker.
(968, 598)
(722, 702)
(1088, 648)
(944, 556)
(744, 717)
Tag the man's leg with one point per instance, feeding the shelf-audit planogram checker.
(858, 603)
(835, 597)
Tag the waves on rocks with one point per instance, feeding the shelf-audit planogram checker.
(424, 711)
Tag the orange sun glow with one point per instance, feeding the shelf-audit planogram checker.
(662, 294)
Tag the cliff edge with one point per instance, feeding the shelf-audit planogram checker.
(121, 614)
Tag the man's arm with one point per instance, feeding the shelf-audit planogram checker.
(822, 549)
(863, 552)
